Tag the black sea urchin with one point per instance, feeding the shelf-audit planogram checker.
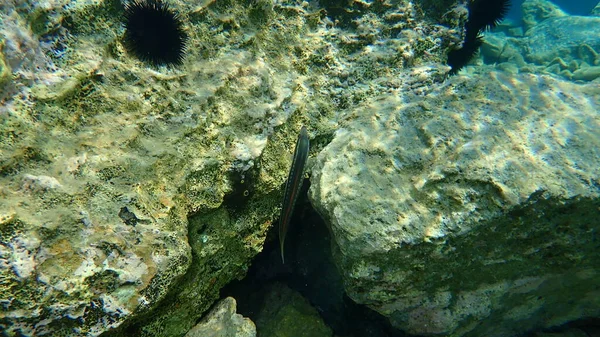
(154, 32)
(483, 14)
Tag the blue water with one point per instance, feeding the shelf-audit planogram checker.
(573, 7)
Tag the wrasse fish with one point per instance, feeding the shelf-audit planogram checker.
(293, 185)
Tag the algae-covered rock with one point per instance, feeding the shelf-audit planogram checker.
(223, 321)
(536, 11)
(470, 212)
(554, 42)
(286, 313)
(130, 194)
(586, 73)
(499, 49)
(569, 37)
(100, 171)
(5, 71)
(567, 333)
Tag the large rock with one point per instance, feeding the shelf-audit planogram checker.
(472, 210)
(568, 46)
(100, 170)
(536, 11)
(569, 38)
(130, 195)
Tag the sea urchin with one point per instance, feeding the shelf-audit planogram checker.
(154, 32)
(483, 14)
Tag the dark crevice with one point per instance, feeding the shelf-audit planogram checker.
(309, 270)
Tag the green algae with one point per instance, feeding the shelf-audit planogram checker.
(169, 145)
(286, 313)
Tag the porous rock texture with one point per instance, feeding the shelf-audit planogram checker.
(130, 194)
(472, 210)
(223, 321)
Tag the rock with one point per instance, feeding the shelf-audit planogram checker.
(536, 11)
(96, 198)
(286, 313)
(567, 333)
(131, 194)
(223, 321)
(554, 42)
(498, 49)
(596, 10)
(586, 73)
(5, 71)
(469, 212)
(569, 38)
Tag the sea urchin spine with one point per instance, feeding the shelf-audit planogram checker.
(483, 14)
(154, 32)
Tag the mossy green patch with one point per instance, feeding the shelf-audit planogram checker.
(285, 313)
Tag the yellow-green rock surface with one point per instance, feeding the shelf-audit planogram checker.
(129, 195)
(471, 210)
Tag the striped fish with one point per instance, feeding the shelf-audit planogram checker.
(293, 185)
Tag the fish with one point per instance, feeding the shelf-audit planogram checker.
(293, 185)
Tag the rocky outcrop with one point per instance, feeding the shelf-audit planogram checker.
(553, 42)
(100, 169)
(569, 38)
(470, 211)
(536, 11)
(130, 194)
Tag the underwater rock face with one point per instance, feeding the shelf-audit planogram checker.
(223, 321)
(568, 46)
(99, 171)
(130, 195)
(567, 38)
(472, 211)
(536, 11)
